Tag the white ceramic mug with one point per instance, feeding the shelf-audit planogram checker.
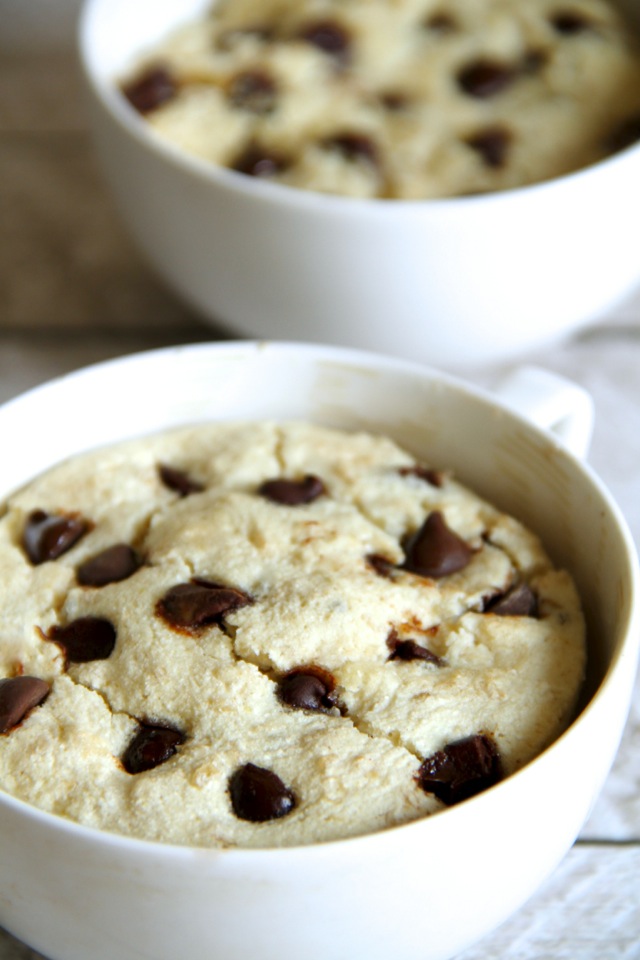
(447, 282)
(422, 891)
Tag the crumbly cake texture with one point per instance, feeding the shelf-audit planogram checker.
(261, 634)
(400, 99)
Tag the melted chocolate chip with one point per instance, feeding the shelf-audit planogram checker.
(254, 91)
(441, 23)
(85, 639)
(463, 769)
(258, 162)
(433, 477)
(486, 78)
(178, 481)
(625, 135)
(18, 696)
(259, 795)
(151, 746)
(330, 37)
(293, 493)
(520, 601)
(382, 565)
(308, 688)
(569, 22)
(492, 144)
(353, 146)
(191, 606)
(394, 100)
(110, 566)
(410, 650)
(151, 89)
(47, 536)
(435, 550)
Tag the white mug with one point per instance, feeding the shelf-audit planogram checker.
(421, 891)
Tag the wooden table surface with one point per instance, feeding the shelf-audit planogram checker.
(74, 291)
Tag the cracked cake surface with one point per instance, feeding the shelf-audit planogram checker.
(403, 99)
(263, 634)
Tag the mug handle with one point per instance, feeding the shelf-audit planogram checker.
(552, 402)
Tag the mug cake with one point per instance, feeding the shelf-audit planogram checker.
(263, 634)
(408, 100)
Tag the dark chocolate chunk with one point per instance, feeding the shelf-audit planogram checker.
(486, 78)
(394, 100)
(256, 161)
(151, 89)
(625, 135)
(19, 695)
(382, 565)
(410, 650)
(191, 606)
(569, 22)
(178, 481)
(492, 144)
(353, 146)
(151, 746)
(110, 566)
(520, 601)
(293, 493)
(430, 476)
(435, 550)
(330, 37)
(47, 536)
(441, 23)
(308, 688)
(254, 91)
(258, 794)
(85, 639)
(463, 769)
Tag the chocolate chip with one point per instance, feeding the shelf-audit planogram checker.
(435, 550)
(353, 146)
(433, 477)
(625, 135)
(258, 162)
(151, 89)
(258, 794)
(410, 650)
(190, 606)
(308, 688)
(492, 144)
(520, 601)
(486, 78)
(330, 37)
(18, 696)
(178, 480)
(47, 536)
(569, 22)
(463, 769)
(382, 565)
(85, 639)
(394, 100)
(293, 493)
(441, 23)
(151, 746)
(254, 91)
(110, 566)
